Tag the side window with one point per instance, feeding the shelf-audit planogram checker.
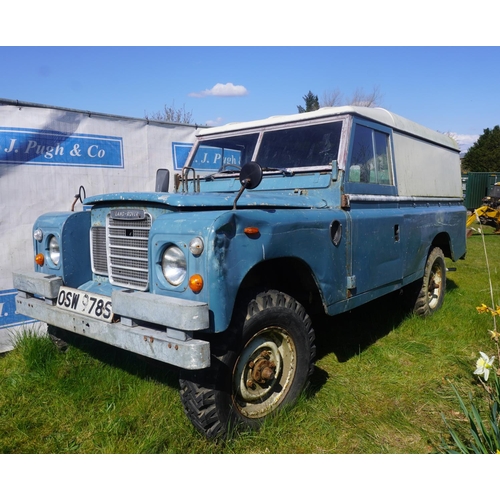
(370, 159)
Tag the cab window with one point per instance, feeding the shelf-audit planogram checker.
(370, 158)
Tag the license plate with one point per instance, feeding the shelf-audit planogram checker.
(86, 303)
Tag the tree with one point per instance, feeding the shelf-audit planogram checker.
(171, 114)
(484, 154)
(332, 98)
(367, 99)
(358, 98)
(311, 101)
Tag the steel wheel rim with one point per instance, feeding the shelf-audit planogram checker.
(435, 285)
(256, 400)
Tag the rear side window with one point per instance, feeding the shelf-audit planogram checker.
(370, 157)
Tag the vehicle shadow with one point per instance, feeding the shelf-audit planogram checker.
(349, 334)
(140, 366)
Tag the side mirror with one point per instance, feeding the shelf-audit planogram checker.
(251, 175)
(162, 180)
(250, 178)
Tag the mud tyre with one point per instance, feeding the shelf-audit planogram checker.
(430, 290)
(264, 366)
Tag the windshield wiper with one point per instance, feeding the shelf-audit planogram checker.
(286, 172)
(227, 168)
(221, 173)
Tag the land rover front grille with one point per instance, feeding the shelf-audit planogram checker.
(99, 254)
(120, 251)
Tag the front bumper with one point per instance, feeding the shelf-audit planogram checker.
(36, 298)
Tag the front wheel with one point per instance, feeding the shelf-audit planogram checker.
(268, 364)
(432, 287)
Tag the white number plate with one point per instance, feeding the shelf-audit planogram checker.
(89, 304)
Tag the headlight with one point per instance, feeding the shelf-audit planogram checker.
(54, 251)
(173, 265)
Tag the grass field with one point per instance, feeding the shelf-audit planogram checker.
(382, 385)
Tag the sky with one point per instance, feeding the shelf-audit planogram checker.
(450, 88)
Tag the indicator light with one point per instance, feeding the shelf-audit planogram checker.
(196, 246)
(38, 235)
(39, 259)
(196, 283)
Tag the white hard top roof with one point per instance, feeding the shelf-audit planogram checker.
(379, 115)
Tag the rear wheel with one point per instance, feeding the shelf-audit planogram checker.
(432, 287)
(266, 367)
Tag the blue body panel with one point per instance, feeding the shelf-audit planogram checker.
(383, 244)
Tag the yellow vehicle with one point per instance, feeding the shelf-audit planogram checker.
(489, 213)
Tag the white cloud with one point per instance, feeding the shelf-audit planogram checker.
(214, 123)
(222, 90)
(465, 141)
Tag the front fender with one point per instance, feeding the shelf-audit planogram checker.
(72, 229)
(243, 239)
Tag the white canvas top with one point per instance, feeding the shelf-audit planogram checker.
(379, 115)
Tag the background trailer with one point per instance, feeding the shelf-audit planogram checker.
(47, 153)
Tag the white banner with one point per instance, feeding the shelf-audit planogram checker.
(46, 154)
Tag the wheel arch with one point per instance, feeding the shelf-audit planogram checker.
(289, 275)
(443, 241)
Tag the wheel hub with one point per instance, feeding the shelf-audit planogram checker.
(261, 370)
(264, 372)
(434, 286)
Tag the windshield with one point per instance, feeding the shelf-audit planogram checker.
(216, 153)
(293, 147)
(311, 146)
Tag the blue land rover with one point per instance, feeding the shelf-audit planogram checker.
(324, 210)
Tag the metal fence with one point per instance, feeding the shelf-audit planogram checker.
(476, 186)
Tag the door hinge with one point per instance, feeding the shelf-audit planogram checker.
(345, 202)
(351, 282)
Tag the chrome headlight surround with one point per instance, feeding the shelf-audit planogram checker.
(54, 250)
(174, 265)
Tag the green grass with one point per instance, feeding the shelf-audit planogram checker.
(382, 385)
